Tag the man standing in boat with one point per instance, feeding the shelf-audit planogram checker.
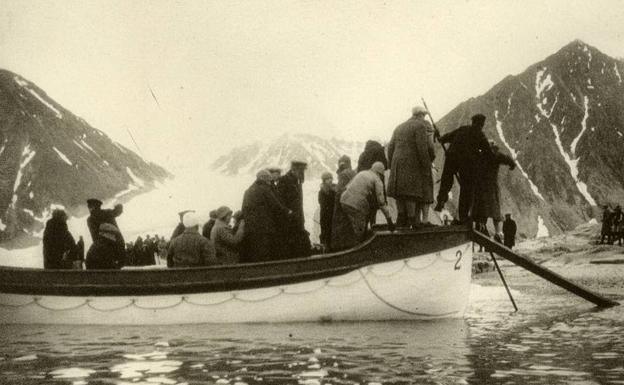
(410, 153)
(264, 214)
(289, 186)
(467, 145)
(98, 216)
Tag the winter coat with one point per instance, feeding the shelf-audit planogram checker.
(467, 144)
(326, 199)
(105, 254)
(509, 232)
(191, 249)
(365, 184)
(487, 194)
(57, 240)
(262, 210)
(373, 152)
(227, 242)
(410, 153)
(99, 216)
(207, 228)
(291, 195)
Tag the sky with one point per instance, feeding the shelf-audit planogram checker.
(225, 73)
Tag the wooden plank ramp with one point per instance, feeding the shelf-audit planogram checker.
(541, 271)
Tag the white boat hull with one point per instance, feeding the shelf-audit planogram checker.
(428, 286)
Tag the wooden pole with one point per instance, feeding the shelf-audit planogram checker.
(500, 274)
(541, 271)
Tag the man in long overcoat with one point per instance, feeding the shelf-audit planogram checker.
(296, 238)
(98, 216)
(57, 242)
(264, 218)
(410, 153)
(467, 145)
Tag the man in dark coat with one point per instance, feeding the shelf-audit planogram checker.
(98, 216)
(105, 252)
(509, 231)
(487, 192)
(264, 218)
(58, 242)
(467, 145)
(207, 228)
(373, 152)
(607, 219)
(296, 238)
(326, 199)
(410, 153)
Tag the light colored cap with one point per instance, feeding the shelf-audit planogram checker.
(378, 167)
(190, 220)
(223, 212)
(419, 110)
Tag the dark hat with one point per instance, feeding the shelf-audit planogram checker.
(223, 212)
(478, 118)
(274, 169)
(92, 202)
(507, 215)
(298, 163)
(344, 160)
(213, 214)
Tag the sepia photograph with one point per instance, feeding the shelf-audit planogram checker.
(311, 192)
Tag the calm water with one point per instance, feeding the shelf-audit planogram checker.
(554, 339)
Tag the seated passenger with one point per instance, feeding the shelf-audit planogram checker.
(355, 200)
(226, 241)
(58, 243)
(106, 252)
(190, 248)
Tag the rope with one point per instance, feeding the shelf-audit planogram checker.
(395, 307)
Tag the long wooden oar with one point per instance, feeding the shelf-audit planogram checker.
(500, 274)
(541, 271)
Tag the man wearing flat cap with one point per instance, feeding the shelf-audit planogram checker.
(98, 216)
(468, 146)
(289, 187)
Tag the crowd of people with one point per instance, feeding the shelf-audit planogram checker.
(271, 224)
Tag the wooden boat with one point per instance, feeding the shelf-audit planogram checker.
(403, 275)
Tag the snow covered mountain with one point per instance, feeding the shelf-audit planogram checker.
(320, 154)
(49, 158)
(562, 119)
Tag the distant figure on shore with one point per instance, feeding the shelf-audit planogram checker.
(607, 224)
(356, 204)
(295, 237)
(617, 225)
(326, 200)
(98, 216)
(59, 245)
(207, 228)
(179, 229)
(340, 222)
(410, 153)
(226, 242)
(264, 215)
(373, 152)
(487, 191)
(106, 252)
(191, 249)
(509, 231)
(467, 145)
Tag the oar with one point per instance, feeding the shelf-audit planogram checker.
(541, 271)
(500, 274)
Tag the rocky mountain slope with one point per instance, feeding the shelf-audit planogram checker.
(50, 157)
(562, 119)
(320, 154)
